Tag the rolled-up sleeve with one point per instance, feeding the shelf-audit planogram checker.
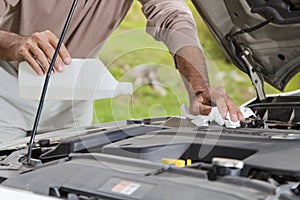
(172, 22)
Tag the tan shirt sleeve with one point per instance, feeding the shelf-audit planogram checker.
(172, 22)
(5, 5)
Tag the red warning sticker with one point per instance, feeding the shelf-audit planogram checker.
(126, 187)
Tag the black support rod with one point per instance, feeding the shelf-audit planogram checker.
(45, 87)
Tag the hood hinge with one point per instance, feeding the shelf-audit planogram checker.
(255, 76)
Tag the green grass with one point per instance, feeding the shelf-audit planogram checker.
(130, 47)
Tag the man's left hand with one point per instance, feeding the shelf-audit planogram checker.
(191, 65)
(203, 102)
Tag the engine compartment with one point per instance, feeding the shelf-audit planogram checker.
(279, 112)
(91, 163)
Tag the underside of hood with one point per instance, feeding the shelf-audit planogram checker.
(261, 37)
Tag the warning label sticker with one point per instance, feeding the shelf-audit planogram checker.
(126, 187)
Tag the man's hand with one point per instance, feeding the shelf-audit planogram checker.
(202, 104)
(37, 50)
(191, 65)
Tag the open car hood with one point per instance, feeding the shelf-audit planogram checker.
(260, 33)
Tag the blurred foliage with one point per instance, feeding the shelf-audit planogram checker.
(130, 47)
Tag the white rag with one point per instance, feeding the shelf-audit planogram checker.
(215, 115)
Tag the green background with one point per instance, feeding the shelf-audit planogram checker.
(130, 47)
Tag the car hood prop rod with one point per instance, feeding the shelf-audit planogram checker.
(45, 87)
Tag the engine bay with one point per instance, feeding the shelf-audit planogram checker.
(259, 158)
(280, 112)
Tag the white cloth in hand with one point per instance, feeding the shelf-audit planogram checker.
(215, 115)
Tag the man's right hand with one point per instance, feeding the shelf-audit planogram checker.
(37, 50)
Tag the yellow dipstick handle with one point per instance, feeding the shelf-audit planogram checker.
(188, 162)
(177, 162)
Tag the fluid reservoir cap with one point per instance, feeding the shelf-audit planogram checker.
(228, 163)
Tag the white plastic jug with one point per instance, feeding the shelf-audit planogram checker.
(84, 79)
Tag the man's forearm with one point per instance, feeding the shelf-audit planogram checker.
(7, 42)
(191, 65)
